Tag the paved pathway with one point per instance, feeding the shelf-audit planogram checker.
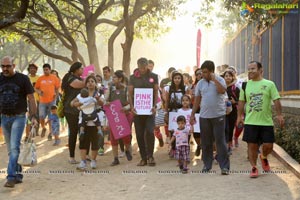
(54, 178)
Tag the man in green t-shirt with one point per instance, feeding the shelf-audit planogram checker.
(258, 122)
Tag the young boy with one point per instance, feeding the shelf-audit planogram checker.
(88, 112)
(181, 135)
(53, 119)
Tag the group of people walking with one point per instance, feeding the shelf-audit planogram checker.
(208, 96)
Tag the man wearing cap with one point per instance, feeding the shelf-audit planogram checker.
(144, 124)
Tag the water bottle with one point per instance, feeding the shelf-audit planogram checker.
(228, 107)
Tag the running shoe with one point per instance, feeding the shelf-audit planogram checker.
(265, 164)
(254, 172)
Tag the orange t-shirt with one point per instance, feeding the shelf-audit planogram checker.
(48, 85)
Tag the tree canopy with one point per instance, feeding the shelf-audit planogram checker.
(63, 29)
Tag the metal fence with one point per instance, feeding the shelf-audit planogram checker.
(277, 48)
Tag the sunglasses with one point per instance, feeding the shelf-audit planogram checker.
(6, 66)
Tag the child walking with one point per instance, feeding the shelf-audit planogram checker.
(181, 135)
(53, 119)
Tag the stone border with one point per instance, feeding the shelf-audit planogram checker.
(286, 159)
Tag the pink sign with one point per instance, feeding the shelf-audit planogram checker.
(87, 71)
(117, 120)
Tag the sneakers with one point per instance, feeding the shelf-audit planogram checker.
(229, 151)
(122, 154)
(197, 152)
(115, 162)
(10, 183)
(101, 151)
(181, 167)
(205, 170)
(82, 165)
(185, 170)
(128, 155)
(56, 142)
(72, 161)
(236, 142)
(225, 171)
(43, 132)
(172, 153)
(265, 164)
(254, 172)
(93, 164)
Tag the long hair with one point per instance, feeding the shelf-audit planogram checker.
(196, 80)
(91, 77)
(181, 84)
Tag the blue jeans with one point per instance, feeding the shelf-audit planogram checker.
(44, 109)
(13, 127)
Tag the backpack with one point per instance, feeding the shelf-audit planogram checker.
(244, 84)
(60, 106)
(233, 91)
(90, 116)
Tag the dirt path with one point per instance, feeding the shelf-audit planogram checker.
(55, 178)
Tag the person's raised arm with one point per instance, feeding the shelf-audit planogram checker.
(220, 88)
(78, 84)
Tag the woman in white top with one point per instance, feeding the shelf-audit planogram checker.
(173, 95)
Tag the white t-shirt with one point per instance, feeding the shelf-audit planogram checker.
(89, 105)
(182, 137)
(175, 95)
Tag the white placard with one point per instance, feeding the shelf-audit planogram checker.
(173, 123)
(143, 100)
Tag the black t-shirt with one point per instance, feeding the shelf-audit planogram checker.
(70, 94)
(13, 93)
(147, 80)
(120, 94)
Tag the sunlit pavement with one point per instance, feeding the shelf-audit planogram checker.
(55, 178)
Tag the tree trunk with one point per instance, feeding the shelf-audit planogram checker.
(126, 46)
(111, 42)
(92, 48)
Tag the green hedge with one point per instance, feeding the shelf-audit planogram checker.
(289, 137)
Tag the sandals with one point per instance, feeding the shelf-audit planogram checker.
(151, 162)
(115, 162)
(142, 163)
(185, 170)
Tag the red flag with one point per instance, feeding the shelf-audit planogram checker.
(198, 50)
